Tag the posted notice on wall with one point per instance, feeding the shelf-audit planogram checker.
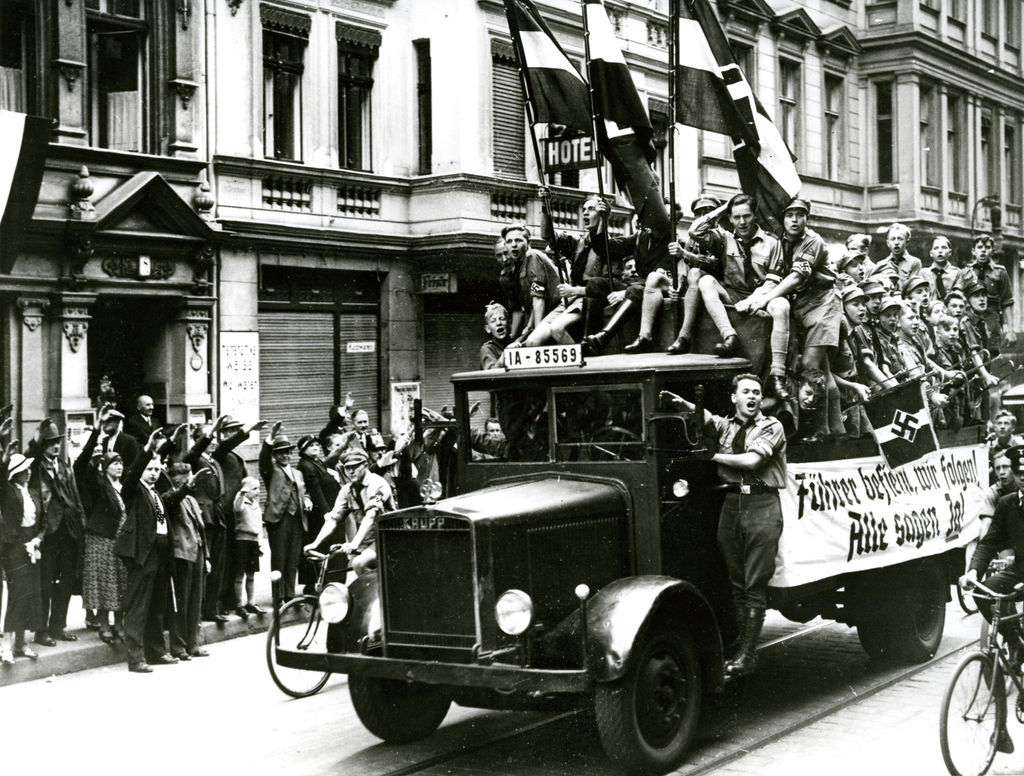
(240, 375)
(402, 397)
(857, 514)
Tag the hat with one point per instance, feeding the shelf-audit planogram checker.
(705, 200)
(973, 287)
(281, 444)
(849, 258)
(354, 455)
(798, 203)
(109, 458)
(250, 485)
(872, 287)
(18, 464)
(889, 302)
(230, 423)
(1016, 456)
(853, 293)
(179, 467)
(48, 432)
(912, 283)
(112, 414)
(306, 441)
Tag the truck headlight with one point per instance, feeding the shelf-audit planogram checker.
(680, 488)
(514, 612)
(335, 603)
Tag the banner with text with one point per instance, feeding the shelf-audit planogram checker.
(857, 514)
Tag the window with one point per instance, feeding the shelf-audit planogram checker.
(13, 58)
(989, 17)
(927, 142)
(833, 125)
(789, 103)
(423, 105)
(1013, 23)
(357, 52)
(744, 56)
(987, 167)
(1011, 160)
(884, 148)
(958, 10)
(955, 139)
(282, 95)
(117, 34)
(932, 5)
(595, 424)
(508, 129)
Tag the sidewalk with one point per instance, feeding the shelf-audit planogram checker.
(89, 652)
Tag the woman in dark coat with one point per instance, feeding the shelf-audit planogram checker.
(104, 578)
(22, 532)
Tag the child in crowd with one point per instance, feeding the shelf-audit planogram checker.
(248, 525)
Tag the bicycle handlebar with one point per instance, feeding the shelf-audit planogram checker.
(336, 549)
(1015, 593)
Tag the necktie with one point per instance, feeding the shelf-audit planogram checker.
(157, 506)
(749, 278)
(940, 287)
(739, 442)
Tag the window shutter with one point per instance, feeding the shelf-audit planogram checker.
(509, 129)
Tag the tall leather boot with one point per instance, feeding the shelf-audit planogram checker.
(746, 663)
(593, 344)
(591, 316)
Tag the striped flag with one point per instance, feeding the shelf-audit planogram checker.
(713, 94)
(557, 91)
(901, 423)
(22, 154)
(625, 132)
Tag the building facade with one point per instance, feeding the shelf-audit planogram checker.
(258, 206)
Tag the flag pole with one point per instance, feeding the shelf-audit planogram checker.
(673, 43)
(597, 148)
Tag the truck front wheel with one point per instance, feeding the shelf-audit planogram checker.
(647, 718)
(397, 711)
(906, 619)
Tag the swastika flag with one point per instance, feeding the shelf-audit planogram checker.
(902, 424)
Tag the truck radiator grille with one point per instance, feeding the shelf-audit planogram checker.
(427, 587)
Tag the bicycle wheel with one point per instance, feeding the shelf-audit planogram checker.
(298, 628)
(972, 716)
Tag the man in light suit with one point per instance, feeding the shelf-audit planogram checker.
(191, 561)
(287, 505)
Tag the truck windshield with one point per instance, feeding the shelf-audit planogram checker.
(597, 424)
(522, 414)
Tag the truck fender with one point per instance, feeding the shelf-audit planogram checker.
(363, 618)
(619, 614)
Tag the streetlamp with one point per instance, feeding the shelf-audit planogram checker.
(995, 214)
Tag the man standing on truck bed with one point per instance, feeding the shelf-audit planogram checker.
(751, 462)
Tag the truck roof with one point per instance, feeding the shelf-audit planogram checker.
(618, 364)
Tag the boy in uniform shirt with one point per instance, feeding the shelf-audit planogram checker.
(996, 282)
(942, 276)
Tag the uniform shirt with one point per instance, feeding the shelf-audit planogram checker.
(991, 496)
(973, 332)
(353, 500)
(912, 353)
(807, 257)
(766, 436)
(994, 447)
(905, 268)
(889, 352)
(490, 355)
(952, 278)
(762, 249)
(537, 277)
(996, 281)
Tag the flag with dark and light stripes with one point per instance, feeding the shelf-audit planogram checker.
(901, 423)
(23, 142)
(713, 94)
(624, 129)
(557, 90)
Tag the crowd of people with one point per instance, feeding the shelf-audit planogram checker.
(158, 530)
(839, 325)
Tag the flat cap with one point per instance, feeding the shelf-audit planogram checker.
(798, 203)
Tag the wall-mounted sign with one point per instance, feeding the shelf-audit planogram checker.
(569, 153)
(361, 347)
(439, 283)
(240, 375)
(402, 397)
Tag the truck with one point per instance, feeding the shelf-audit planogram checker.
(577, 565)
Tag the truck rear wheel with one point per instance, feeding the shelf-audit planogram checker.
(397, 711)
(906, 619)
(647, 718)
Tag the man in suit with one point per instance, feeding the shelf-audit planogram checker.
(114, 440)
(215, 489)
(141, 424)
(144, 543)
(322, 488)
(286, 510)
(53, 484)
(191, 561)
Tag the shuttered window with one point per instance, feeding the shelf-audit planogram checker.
(357, 370)
(507, 114)
(455, 340)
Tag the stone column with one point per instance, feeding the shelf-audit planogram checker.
(31, 398)
(189, 394)
(69, 403)
(69, 71)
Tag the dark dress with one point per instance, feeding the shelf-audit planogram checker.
(24, 599)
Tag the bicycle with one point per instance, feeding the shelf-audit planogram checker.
(973, 713)
(297, 625)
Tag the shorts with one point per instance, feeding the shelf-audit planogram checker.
(247, 556)
(820, 313)
(575, 306)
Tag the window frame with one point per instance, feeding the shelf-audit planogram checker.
(833, 125)
(879, 173)
(22, 14)
(347, 85)
(1011, 153)
(424, 107)
(790, 113)
(929, 152)
(955, 140)
(100, 23)
(273, 68)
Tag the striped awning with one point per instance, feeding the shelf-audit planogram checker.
(23, 142)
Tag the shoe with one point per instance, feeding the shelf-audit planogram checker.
(64, 636)
(1004, 743)
(639, 345)
(728, 347)
(164, 660)
(241, 612)
(116, 635)
(93, 624)
(182, 656)
(259, 611)
(6, 656)
(219, 618)
(199, 652)
(140, 668)
(680, 345)
(45, 640)
(593, 344)
(778, 385)
(25, 651)
(106, 637)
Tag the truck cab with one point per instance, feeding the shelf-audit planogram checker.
(577, 562)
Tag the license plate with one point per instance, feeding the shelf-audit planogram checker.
(544, 357)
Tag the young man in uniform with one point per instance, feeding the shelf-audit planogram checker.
(899, 262)
(496, 326)
(534, 280)
(996, 282)
(752, 465)
(1004, 438)
(978, 343)
(942, 276)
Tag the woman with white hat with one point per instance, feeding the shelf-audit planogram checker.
(22, 533)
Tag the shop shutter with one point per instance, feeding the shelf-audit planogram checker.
(296, 370)
(453, 345)
(507, 116)
(360, 370)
